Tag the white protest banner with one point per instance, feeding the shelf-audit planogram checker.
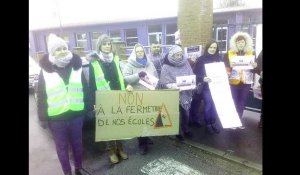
(242, 62)
(125, 115)
(221, 95)
(186, 82)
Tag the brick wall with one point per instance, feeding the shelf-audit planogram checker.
(195, 21)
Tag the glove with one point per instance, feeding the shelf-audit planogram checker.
(92, 54)
(44, 124)
(207, 79)
(142, 74)
(129, 88)
(254, 64)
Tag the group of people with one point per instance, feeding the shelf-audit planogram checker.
(65, 96)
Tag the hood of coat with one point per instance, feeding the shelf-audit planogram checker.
(132, 57)
(45, 64)
(249, 42)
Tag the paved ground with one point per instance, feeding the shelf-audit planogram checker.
(241, 145)
(230, 152)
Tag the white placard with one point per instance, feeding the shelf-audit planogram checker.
(242, 62)
(186, 82)
(221, 95)
(149, 81)
(193, 52)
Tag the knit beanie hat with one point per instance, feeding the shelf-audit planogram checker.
(55, 42)
(103, 38)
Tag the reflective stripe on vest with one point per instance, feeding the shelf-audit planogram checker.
(61, 97)
(101, 83)
(236, 76)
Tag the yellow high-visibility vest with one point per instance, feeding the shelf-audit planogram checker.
(101, 83)
(62, 97)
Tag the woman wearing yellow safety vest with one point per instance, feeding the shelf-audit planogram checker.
(240, 80)
(105, 75)
(62, 96)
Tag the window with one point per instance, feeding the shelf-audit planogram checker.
(131, 37)
(170, 36)
(95, 36)
(221, 38)
(81, 40)
(154, 34)
(115, 35)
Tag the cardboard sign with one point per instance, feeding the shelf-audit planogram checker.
(125, 115)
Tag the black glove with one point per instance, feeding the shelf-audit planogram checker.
(142, 74)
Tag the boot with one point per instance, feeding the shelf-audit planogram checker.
(215, 128)
(113, 156)
(121, 152)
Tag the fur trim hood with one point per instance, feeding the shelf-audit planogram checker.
(45, 64)
(249, 42)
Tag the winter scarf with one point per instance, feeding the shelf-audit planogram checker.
(61, 62)
(174, 68)
(106, 58)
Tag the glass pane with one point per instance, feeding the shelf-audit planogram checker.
(222, 45)
(154, 28)
(131, 33)
(154, 37)
(170, 40)
(171, 28)
(115, 35)
(95, 36)
(131, 41)
(222, 34)
(81, 40)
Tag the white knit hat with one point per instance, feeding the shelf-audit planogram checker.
(55, 42)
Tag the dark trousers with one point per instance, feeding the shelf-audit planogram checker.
(195, 112)
(210, 113)
(67, 132)
(184, 120)
(240, 94)
(143, 141)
